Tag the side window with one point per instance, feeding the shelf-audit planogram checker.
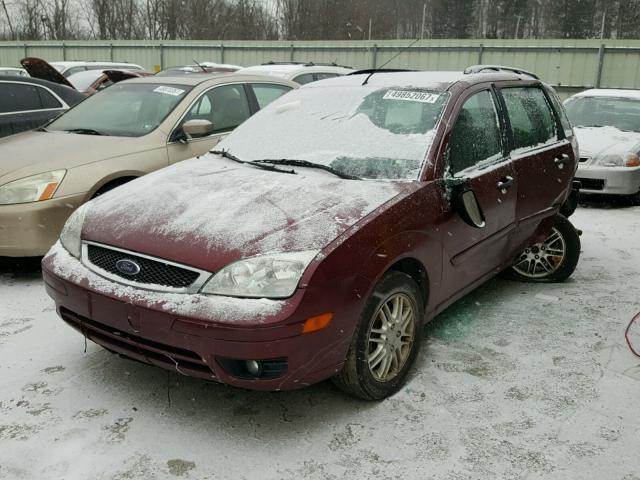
(557, 105)
(476, 135)
(304, 78)
(18, 97)
(226, 107)
(531, 119)
(322, 76)
(267, 93)
(48, 100)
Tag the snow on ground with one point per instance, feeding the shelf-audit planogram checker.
(515, 381)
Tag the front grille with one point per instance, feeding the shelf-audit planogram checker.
(591, 183)
(151, 271)
(131, 346)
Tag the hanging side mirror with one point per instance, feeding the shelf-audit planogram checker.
(465, 202)
(195, 128)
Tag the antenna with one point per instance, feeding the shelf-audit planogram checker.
(196, 62)
(366, 80)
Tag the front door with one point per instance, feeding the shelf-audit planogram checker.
(476, 154)
(225, 106)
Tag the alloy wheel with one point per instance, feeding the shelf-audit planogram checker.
(542, 259)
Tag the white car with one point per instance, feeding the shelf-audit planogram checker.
(69, 68)
(301, 73)
(607, 125)
(12, 71)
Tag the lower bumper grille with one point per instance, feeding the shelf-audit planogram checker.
(138, 348)
(591, 183)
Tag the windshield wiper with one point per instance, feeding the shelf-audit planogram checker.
(306, 163)
(230, 156)
(84, 131)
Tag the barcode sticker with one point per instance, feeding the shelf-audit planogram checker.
(169, 91)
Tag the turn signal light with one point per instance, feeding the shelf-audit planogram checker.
(632, 160)
(317, 323)
(48, 191)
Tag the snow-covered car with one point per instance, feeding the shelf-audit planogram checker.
(69, 68)
(198, 69)
(321, 234)
(607, 124)
(123, 132)
(27, 103)
(301, 73)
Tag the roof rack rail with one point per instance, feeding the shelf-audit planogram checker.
(498, 68)
(380, 70)
(307, 64)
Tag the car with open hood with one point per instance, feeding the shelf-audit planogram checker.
(320, 235)
(607, 125)
(123, 132)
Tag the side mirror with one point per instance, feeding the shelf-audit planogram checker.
(465, 203)
(195, 129)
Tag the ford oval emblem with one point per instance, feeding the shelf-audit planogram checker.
(127, 267)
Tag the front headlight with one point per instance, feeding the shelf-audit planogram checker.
(629, 159)
(31, 189)
(70, 236)
(266, 276)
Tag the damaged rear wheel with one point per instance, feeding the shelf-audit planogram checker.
(552, 260)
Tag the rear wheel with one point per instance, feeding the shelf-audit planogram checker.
(552, 260)
(386, 341)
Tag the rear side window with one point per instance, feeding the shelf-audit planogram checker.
(557, 106)
(18, 97)
(322, 76)
(532, 121)
(304, 78)
(476, 135)
(48, 100)
(266, 93)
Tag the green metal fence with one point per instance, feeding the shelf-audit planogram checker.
(569, 65)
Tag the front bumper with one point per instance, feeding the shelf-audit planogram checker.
(193, 344)
(609, 180)
(30, 229)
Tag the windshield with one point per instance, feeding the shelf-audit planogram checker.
(125, 110)
(363, 131)
(621, 113)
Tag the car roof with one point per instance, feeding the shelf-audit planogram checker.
(281, 70)
(68, 94)
(610, 92)
(213, 78)
(435, 80)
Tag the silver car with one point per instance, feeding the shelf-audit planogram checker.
(607, 124)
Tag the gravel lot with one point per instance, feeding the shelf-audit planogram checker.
(515, 381)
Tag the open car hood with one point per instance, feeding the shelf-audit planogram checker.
(209, 212)
(39, 68)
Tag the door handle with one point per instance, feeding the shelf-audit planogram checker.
(505, 183)
(561, 160)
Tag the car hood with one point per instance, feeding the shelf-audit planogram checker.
(596, 142)
(35, 152)
(209, 212)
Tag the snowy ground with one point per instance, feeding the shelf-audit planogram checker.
(516, 381)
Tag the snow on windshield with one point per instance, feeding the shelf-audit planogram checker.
(364, 131)
(621, 113)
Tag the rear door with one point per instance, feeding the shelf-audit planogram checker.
(476, 152)
(541, 153)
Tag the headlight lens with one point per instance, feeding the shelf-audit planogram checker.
(266, 276)
(629, 159)
(31, 189)
(70, 236)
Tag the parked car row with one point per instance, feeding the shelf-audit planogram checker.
(295, 233)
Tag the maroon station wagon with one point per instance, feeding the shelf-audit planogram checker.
(325, 231)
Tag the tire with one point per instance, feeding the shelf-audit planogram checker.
(536, 264)
(395, 294)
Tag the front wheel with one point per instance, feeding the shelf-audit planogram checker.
(552, 260)
(386, 341)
